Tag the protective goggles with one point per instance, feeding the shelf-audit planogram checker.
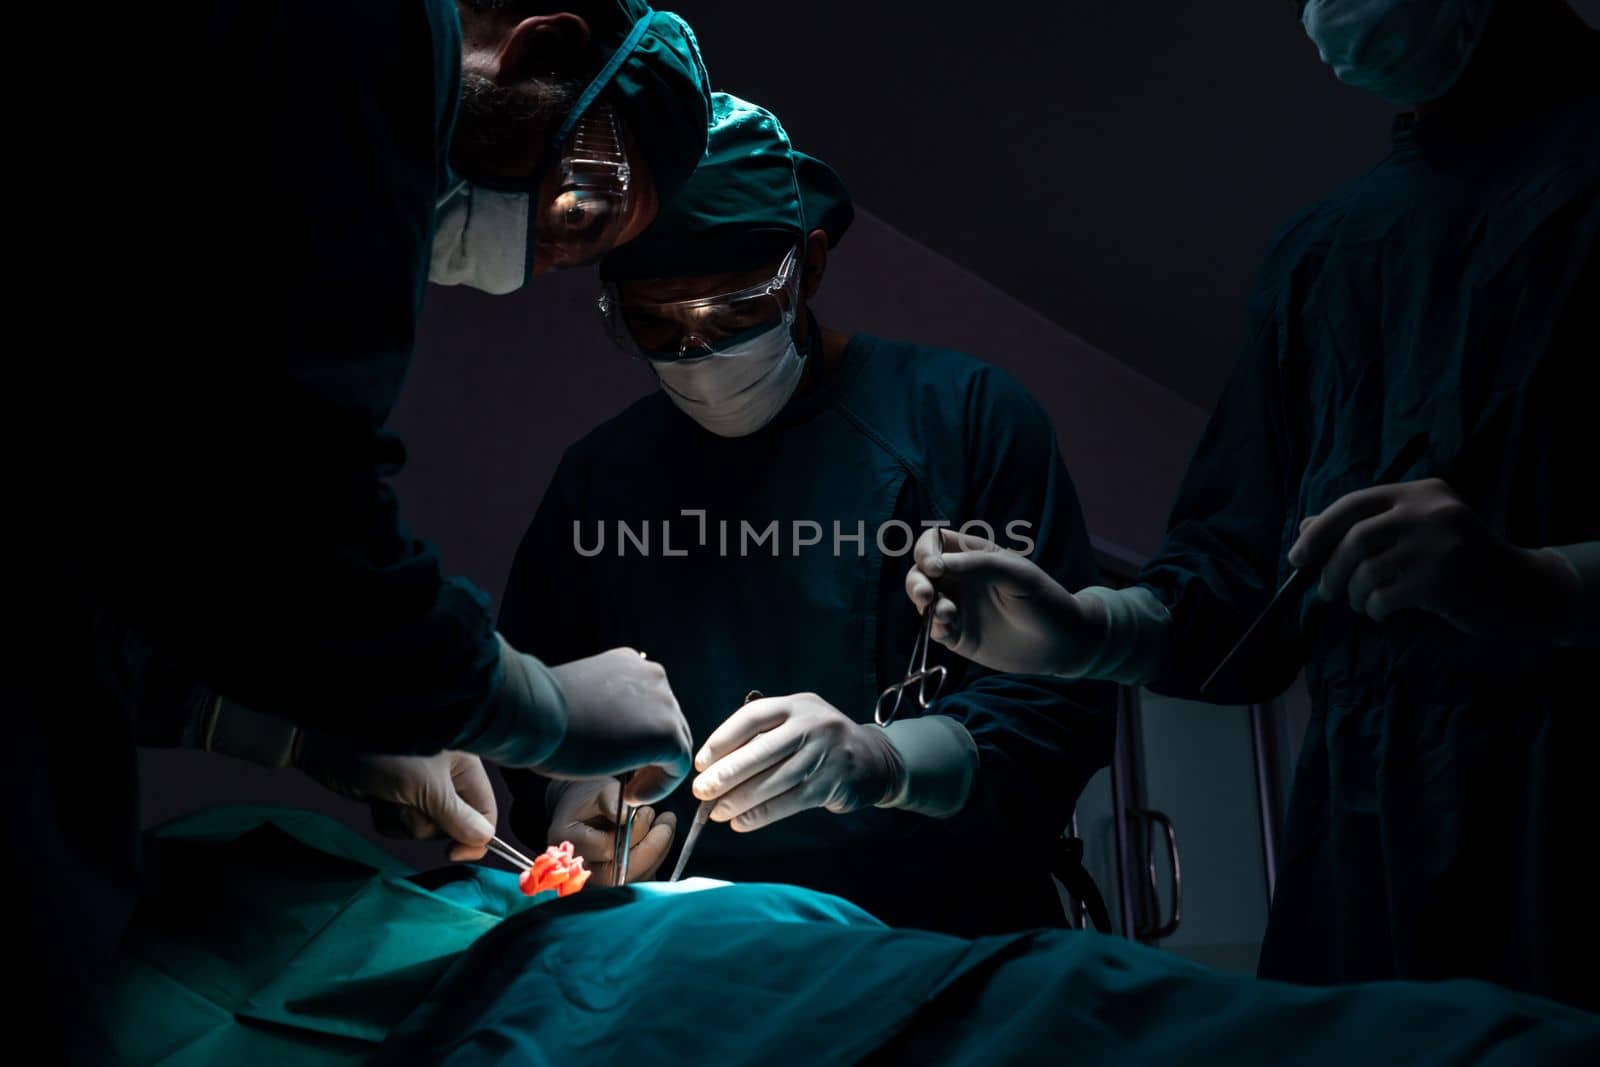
(689, 329)
(585, 205)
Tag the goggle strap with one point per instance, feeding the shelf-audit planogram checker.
(601, 81)
(595, 87)
(787, 274)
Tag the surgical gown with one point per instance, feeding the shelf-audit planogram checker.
(899, 434)
(219, 517)
(1444, 306)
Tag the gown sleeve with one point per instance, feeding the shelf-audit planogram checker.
(249, 529)
(1223, 555)
(1039, 738)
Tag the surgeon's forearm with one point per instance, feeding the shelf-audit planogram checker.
(231, 729)
(1136, 633)
(1580, 582)
(526, 718)
(937, 761)
(521, 724)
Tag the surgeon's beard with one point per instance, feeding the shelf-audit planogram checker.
(501, 130)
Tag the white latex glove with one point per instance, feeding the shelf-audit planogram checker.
(996, 607)
(585, 812)
(1417, 546)
(606, 714)
(412, 796)
(778, 756)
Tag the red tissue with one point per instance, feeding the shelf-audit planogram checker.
(556, 869)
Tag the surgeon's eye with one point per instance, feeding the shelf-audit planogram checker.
(723, 321)
(653, 332)
(581, 219)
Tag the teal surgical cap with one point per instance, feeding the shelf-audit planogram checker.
(750, 200)
(662, 91)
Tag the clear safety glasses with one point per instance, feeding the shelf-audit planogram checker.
(688, 329)
(585, 206)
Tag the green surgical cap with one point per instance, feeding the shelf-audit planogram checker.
(662, 91)
(827, 201)
(750, 200)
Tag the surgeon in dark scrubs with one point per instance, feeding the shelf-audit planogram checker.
(836, 449)
(225, 562)
(1413, 419)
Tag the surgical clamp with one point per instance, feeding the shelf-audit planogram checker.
(917, 672)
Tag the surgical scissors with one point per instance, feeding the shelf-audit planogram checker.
(918, 672)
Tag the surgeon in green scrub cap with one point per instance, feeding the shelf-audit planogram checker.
(836, 447)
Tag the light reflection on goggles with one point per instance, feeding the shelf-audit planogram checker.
(686, 329)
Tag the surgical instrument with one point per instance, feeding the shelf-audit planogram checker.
(702, 815)
(624, 839)
(504, 850)
(1299, 578)
(917, 671)
(623, 842)
(1290, 590)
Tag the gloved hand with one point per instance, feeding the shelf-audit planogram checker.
(778, 756)
(997, 608)
(606, 714)
(411, 796)
(584, 812)
(621, 716)
(1416, 545)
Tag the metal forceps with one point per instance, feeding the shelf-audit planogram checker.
(918, 673)
(510, 855)
(624, 839)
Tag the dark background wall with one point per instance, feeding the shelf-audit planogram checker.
(1118, 165)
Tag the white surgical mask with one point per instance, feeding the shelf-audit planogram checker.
(737, 391)
(1406, 51)
(480, 239)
